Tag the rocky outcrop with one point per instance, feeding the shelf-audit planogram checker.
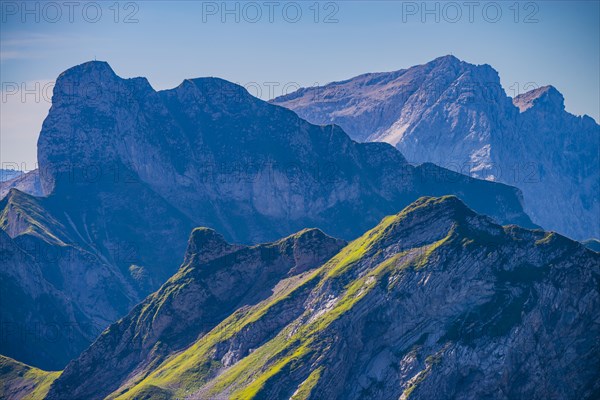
(457, 115)
(215, 279)
(435, 302)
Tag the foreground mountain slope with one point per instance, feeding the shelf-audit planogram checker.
(457, 115)
(22, 382)
(128, 172)
(216, 279)
(435, 302)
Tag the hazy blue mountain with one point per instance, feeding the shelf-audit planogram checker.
(457, 115)
(28, 182)
(58, 292)
(592, 244)
(434, 302)
(8, 174)
(127, 172)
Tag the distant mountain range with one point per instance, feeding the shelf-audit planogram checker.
(127, 172)
(8, 174)
(457, 115)
(434, 302)
(27, 182)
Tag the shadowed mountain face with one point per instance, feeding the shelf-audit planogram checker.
(229, 161)
(434, 302)
(128, 172)
(40, 323)
(457, 115)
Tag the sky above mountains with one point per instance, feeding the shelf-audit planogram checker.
(272, 48)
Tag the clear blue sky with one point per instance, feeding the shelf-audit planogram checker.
(545, 42)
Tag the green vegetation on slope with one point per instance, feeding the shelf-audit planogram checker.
(20, 381)
(198, 369)
(189, 370)
(32, 213)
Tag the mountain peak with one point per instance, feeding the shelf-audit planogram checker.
(308, 246)
(206, 244)
(212, 88)
(436, 206)
(101, 68)
(423, 222)
(304, 234)
(545, 96)
(92, 82)
(448, 59)
(427, 220)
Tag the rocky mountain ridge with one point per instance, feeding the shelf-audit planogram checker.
(457, 115)
(215, 279)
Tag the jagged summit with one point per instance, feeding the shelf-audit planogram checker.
(92, 71)
(187, 144)
(431, 204)
(206, 244)
(212, 89)
(547, 96)
(456, 114)
(446, 211)
(89, 66)
(425, 221)
(447, 60)
(305, 234)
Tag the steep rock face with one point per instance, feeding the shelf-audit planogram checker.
(457, 115)
(215, 279)
(560, 182)
(56, 297)
(435, 302)
(103, 263)
(225, 159)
